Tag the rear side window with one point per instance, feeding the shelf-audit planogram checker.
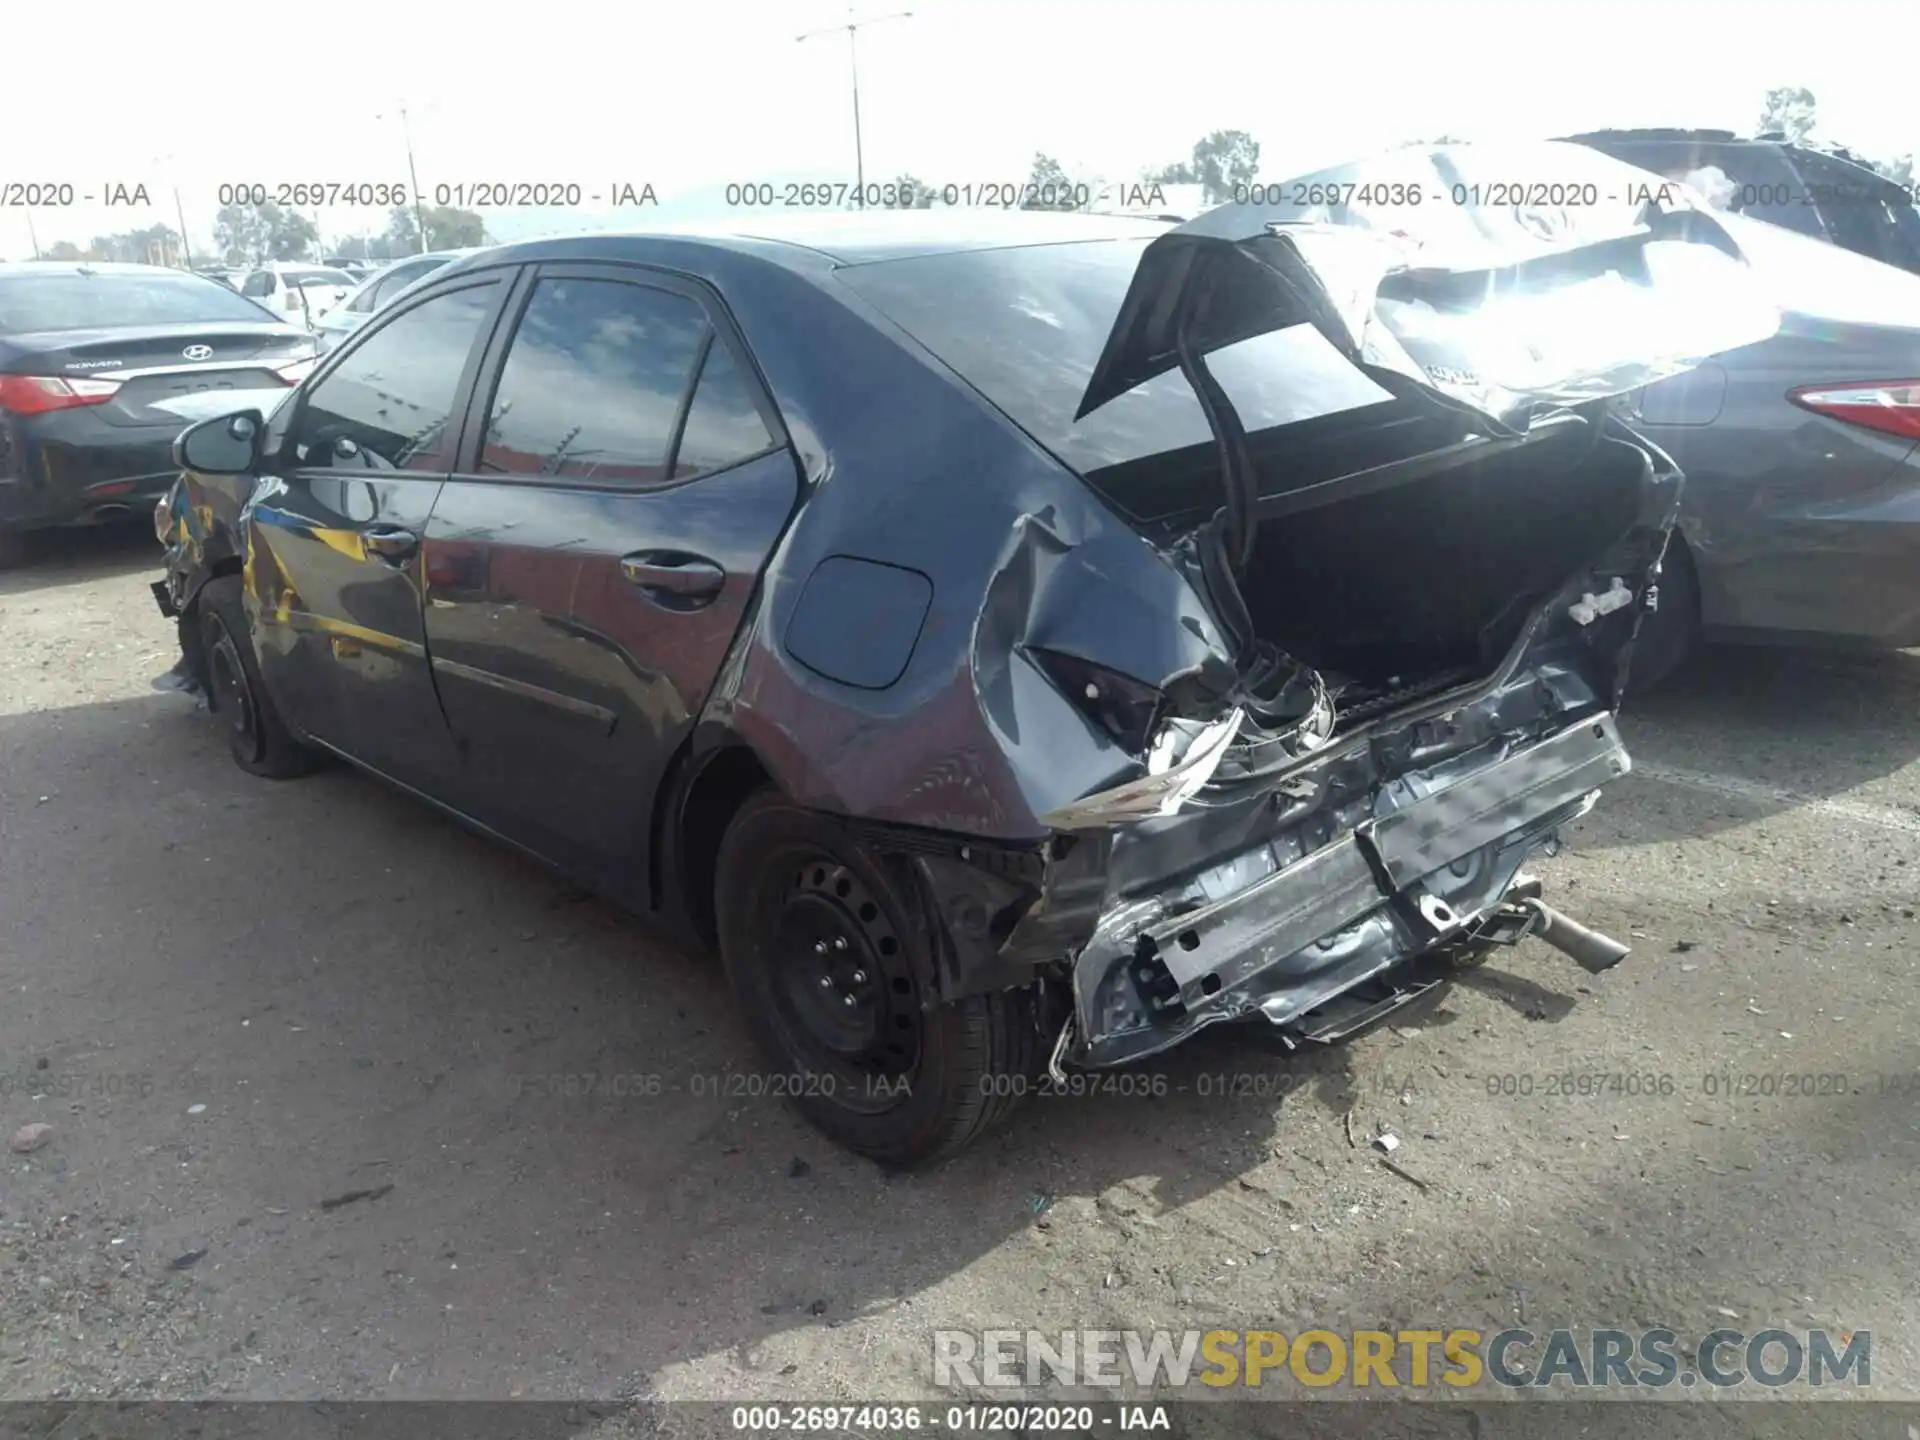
(723, 423)
(386, 405)
(595, 382)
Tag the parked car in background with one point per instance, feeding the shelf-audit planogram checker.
(301, 294)
(379, 290)
(89, 353)
(1827, 193)
(1018, 640)
(222, 274)
(1800, 521)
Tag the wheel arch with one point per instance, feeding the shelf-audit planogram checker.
(189, 612)
(711, 778)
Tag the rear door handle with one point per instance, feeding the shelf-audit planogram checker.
(390, 542)
(674, 578)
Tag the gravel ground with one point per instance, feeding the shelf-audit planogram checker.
(296, 1045)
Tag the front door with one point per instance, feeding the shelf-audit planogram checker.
(589, 563)
(333, 572)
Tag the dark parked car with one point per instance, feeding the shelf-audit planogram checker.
(1801, 517)
(1827, 193)
(87, 354)
(1018, 640)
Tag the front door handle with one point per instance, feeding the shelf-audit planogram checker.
(390, 542)
(674, 578)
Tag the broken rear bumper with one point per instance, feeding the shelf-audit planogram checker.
(1409, 882)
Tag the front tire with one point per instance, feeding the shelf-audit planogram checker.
(825, 944)
(259, 740)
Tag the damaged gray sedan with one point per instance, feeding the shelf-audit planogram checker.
(1038, 637)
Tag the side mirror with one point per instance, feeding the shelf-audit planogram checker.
(226, 445)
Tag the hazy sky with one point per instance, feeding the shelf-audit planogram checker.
(689, 95)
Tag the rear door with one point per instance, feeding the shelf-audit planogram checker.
(334, 568)
(624, 479)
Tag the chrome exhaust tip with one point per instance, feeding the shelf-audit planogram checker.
(1589, 949)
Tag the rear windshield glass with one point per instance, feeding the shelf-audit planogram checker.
(70, 300)
(1025, 327)
(319, 277)
(1825, 281)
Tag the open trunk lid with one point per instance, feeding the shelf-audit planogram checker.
(1497, 282)
(1497, 296)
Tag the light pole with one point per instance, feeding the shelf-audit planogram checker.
(413, 177)
(179, 212)
(853, 28)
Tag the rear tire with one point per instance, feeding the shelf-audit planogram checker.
(259, 740)
(825, 944)
(1667, 636)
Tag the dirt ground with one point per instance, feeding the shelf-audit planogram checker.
(237, 1002)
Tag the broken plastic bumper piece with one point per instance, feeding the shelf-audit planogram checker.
(1396, 887)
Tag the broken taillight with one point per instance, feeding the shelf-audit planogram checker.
(1890, 406)
(1183, 758)
(1123, 707)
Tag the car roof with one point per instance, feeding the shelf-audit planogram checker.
(454, 254)
(1774, 138)
(855, 238)
(89, 267)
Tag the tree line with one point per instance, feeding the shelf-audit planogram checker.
(1791, 113)
(255, 234)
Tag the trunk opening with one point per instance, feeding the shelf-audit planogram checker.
(1429, 582)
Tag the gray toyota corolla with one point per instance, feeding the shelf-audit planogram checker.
(1019, 641)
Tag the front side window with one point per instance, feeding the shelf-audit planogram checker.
(386, 405)
(259, 283)
(593, 383)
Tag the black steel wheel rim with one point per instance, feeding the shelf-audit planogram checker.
(843, 991)
(232, 696)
